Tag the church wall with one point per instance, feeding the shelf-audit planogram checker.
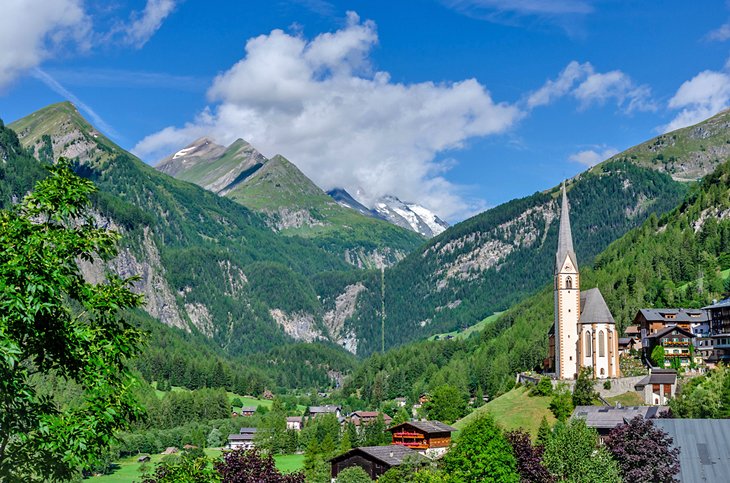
(567, 313)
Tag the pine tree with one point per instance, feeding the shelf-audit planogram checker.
(544, 432)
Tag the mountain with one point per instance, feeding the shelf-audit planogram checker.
(410, 215)
(289, 201)
(494, 260)
(208, 265)
(343, 198)
(680, 258)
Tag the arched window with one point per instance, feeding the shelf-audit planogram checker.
(601, 344)
(568, 283)
(589, 349)
(603, 371)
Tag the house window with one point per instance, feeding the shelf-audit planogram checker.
(601, 344)
(589, 349)
(569, 283)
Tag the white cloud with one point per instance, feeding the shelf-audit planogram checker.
(524, 7)
(701, 97)
(591, 157)
(720, 34)
(319, 103)
(589, 87)
(142, 26)
(32, 30)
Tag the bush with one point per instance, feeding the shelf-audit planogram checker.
(607, 385)
(543, 388)
(354, 474)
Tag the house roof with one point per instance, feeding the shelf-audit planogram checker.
(608, 417)
(248, 409)
(247, 431)
(676, 315)
(324, 409)
(704, 447)
(242, 437)
(369, 414)
(392, 455)
(632, 329)
(565, 237)
(427, 426)
(624, 340)
(718, 305)
(668, 330)
(294, 419)
(659, 376)
(593, 308)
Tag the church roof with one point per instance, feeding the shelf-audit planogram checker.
(593, 308)
(565, 236)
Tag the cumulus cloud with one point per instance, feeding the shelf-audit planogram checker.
(320, 103)
(588, 87)
(591, 157)
(701, 97)
(32, 30)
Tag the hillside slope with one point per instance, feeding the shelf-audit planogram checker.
(203, 258)
(289, 202)
(672, 260)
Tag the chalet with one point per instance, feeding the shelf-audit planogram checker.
(268, 394)
(294, 423)
(315, 411)
(677, 343)
(633, 331)
(243, 440)
(362, 418)
(627, 344)
(704, 447)
(431, 438)
(400, 402)
(658, 387)
(604, 418)
(651, 321)
(716, 345)
(170, 450)
(248, 410)
(374, 460)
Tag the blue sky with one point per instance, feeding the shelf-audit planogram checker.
(456, 104)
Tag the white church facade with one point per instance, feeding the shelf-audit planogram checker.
(584, 331)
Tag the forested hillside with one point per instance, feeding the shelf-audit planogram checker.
(672, 260)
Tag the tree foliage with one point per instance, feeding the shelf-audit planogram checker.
(447, 404)
(644, 453)
(561, 403)
(53, 322)
(529, 458)
(583, 392)
(481, 453)
(354, 474)
(253, 467)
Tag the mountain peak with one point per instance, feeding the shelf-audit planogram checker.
(410, 215)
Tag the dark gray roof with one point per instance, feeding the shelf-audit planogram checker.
(668, 330)
(719, 305)
(248, 409)
(704, 447)
(247, 430)
(624, 341)
(608, 417)
(659, 376)
(565, 237)
(324, 409)
(242, 437)
(428, 426)
(680, 315)
(593, 308)
(391, 455)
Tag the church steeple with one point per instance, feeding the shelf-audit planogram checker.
(565, 237)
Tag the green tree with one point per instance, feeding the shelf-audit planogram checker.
(354, 474)
(447, 404)
(561, 403)
(572, 454)
(481, 453)
(542, 388)
(657, 356)
(215, 438)
(53, 322)
(236, 403)
(401, 416)
(544, 432)
(583, 392)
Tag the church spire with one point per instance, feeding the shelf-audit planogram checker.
(565, 237)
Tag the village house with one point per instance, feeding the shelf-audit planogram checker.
(294, 423)
(315, 411)
(430, 438)
(628, 344)
(362, 418)
(658, 387)
(401, 402)
(717, 343)
(248, 410)
(651, 321)
(677, 343)
(604, 418)
(374, 460)
(243, 440)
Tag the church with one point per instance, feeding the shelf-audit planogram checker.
(584, 332)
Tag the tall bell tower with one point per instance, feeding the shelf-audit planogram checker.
(567, 299)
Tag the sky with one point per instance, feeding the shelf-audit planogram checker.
(458, 105)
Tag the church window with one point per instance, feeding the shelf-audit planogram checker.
(569, 283)
(603, 371)
(589, 349)
(601, 344)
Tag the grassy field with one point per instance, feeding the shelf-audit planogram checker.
(631, 398)
(463, 334)
(515, 409)
(129, 469)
